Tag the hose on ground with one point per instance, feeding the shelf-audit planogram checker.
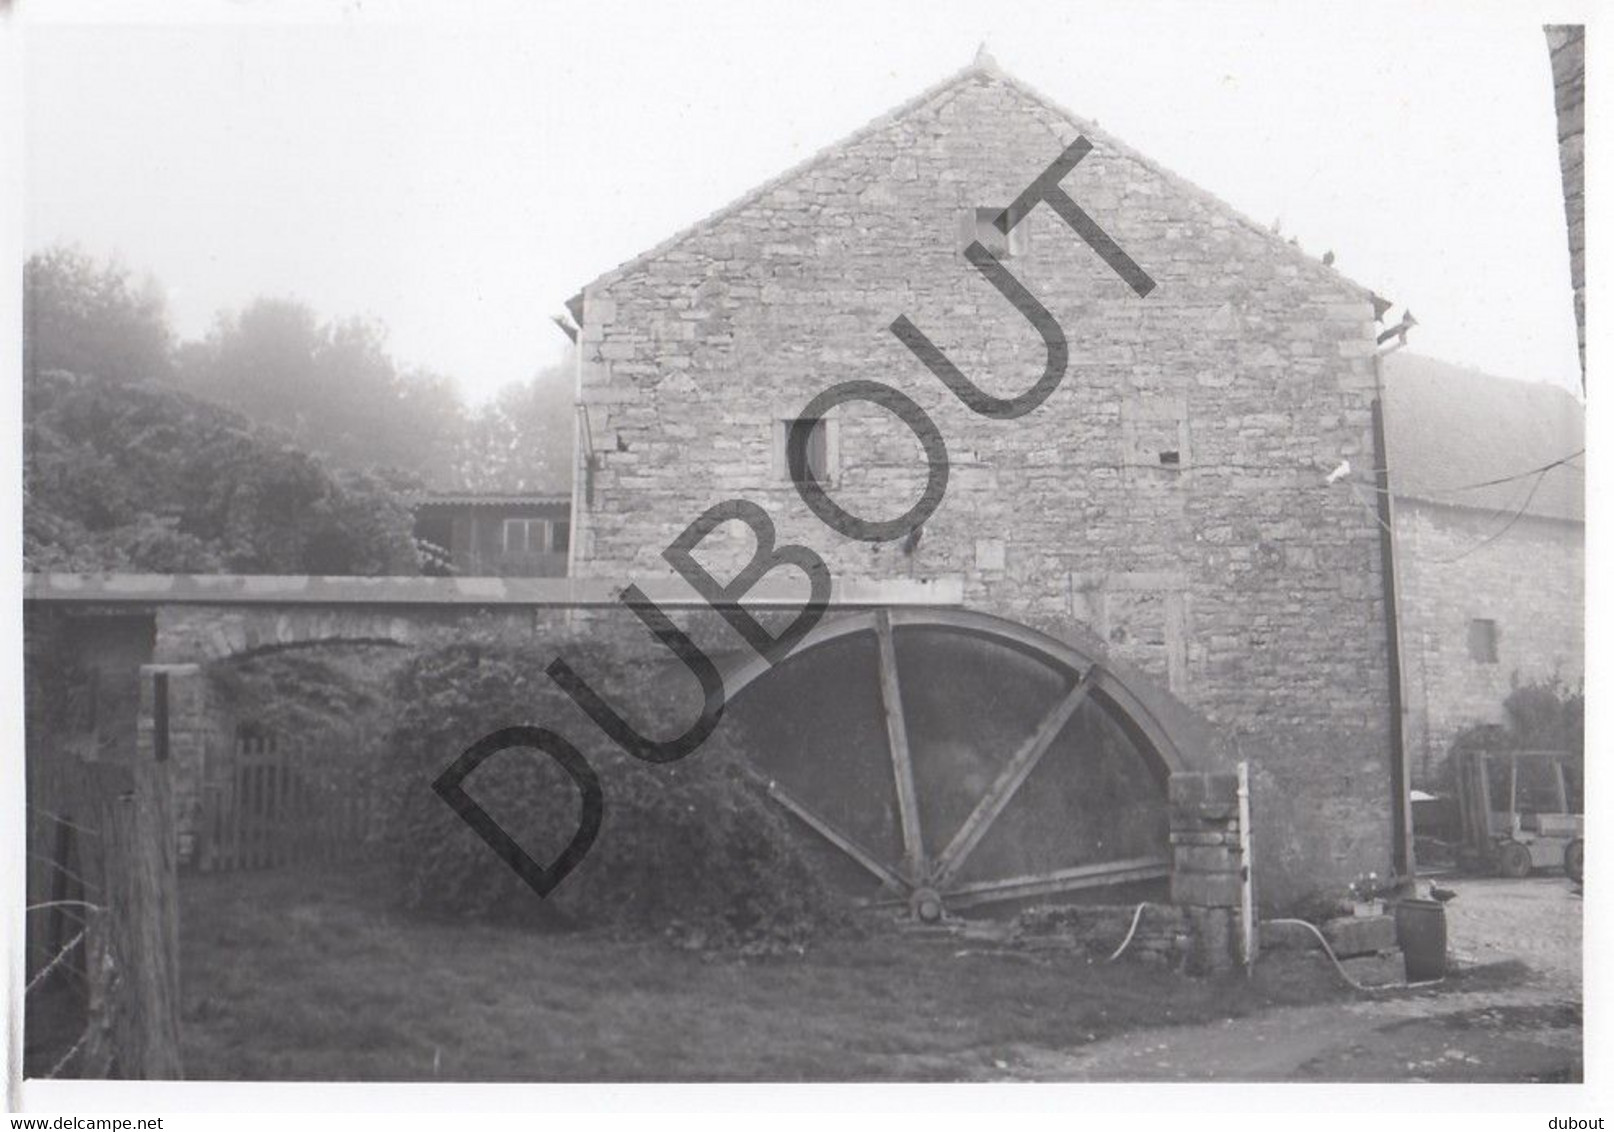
(1340, 967)
(1137, 918)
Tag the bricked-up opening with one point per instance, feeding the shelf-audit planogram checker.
(1482, 640)
(1154, 433)
(995, 241)
(817, 454)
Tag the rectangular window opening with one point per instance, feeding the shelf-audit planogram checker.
(1482, 640)
(816, 453)
(524, 536)
(1001, 244)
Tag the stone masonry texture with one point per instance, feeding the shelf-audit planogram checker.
(1455, 570)
(1234, 576)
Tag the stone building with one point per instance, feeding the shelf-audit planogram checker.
(1492, 576)
(1169, 508)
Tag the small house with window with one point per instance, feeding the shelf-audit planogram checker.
(505, 535)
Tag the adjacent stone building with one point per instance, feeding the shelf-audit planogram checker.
(1170, 506)
(1490, 531)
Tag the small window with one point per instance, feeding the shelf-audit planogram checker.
(994, 240)
(817, 454)
(560, 537)
(1482, 641)
(524, 536)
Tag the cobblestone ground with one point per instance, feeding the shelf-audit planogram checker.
(1512, 1013)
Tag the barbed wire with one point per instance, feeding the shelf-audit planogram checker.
(44, 972)
(64, 904)
(61, 1062)
(68, 822)
(64, 870)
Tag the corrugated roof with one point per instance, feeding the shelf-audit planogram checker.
(489, 499)
(1449, 429)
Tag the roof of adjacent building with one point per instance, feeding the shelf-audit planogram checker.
(984, 68)
(1467, 439)
(490, 499)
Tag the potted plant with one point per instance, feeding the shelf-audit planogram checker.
(1367, 891)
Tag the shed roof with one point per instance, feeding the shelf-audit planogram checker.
(1453, 433)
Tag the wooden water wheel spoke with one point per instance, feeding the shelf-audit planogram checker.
(1059, 880)
(896, 728)
(1009, 780)
(829, 832)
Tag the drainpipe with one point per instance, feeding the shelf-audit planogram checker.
(1249, 943)
(1400, 772)
(582, 446)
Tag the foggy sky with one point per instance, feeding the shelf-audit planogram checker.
(459, 179)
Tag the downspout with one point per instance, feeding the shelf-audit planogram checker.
(1402, 854)
(580, 438)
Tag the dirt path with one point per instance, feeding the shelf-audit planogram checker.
(1514, 1015)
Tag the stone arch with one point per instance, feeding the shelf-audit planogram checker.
(204, 634)
(1142, 706)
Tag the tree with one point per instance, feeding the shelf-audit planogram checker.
(332, 386)
(139, 477)
(91, 318)
(522, 439)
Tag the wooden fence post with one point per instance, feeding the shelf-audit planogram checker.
(135, 974)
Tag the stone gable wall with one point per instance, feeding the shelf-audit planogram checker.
(1239, 578)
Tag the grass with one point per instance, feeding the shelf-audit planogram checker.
(307, 976)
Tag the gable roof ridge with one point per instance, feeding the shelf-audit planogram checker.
(1113, 144)
(902, 110)
(984, 65)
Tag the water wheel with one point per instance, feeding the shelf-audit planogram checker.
(944, 759)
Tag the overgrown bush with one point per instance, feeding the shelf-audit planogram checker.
(1543, 715)
(137, 476)
(692, 849)
(1548, 715)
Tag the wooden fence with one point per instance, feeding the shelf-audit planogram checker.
(270, 803)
